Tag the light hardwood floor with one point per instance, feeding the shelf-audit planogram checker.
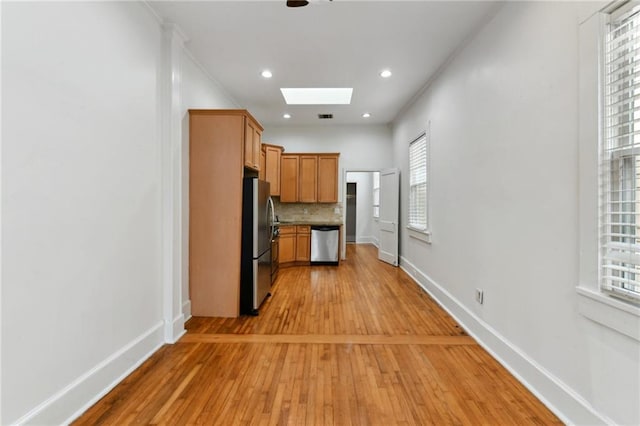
(359, 344)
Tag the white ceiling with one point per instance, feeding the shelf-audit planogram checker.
(340, 43)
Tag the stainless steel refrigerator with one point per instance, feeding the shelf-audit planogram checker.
(257, 230)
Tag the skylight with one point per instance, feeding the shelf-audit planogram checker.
(317, 96)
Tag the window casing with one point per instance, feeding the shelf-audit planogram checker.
(418, 184)
(620, 157)
(618, 314)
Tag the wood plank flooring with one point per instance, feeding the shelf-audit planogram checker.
(358, 344)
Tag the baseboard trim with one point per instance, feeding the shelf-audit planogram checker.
(73, 400)
(186, 310)
(364, 240)
(565, 403)
(177, 328)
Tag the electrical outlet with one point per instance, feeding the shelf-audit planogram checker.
(336, 210)
(479, 296)
(305, 211)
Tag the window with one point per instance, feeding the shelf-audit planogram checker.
(376, 194)
(605, 175)
(418, 183)
(620, 158)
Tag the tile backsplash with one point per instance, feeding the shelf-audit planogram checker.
(307, 211)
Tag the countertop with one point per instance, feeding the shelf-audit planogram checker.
(309, 222)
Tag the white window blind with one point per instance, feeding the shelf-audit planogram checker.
(620, 158)
(418, 175)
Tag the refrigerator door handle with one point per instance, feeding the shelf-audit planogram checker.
(271, 216)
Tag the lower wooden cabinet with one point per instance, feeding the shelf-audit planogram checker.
(295, 244)
(287, 247)
(303, 243)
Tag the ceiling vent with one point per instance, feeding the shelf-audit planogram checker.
(325, 116)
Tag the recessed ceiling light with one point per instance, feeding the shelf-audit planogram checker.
(266, 74)
(385, 74)
(366, 115)
(317, 96)
(287, 116)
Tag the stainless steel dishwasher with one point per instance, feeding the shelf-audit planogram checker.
(325, 241)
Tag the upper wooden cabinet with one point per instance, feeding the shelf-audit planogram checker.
(263, 164)
(271, 166)
(252, 143)
(289, 178)
(309, 178)
(328, 178)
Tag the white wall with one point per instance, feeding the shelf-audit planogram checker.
(364, 202)
(504, 210)
(82, 302)
(199, 91)
(82, 198)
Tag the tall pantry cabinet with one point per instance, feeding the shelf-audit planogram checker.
(219, 143)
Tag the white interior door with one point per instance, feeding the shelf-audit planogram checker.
(389, 206)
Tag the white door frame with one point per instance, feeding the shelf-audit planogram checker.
(343, 242)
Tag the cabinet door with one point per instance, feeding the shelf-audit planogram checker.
(308, 191)
(257, 143)
(288, 178)
(248, 144)
(303, 247)
(272, 168)
(252, 145)
(287, 249)
(327, 178)
(262, 174)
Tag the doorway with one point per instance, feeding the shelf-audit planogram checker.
(361, 227)
(352, 211)
(365, 186)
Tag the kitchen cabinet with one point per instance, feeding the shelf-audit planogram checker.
(303, 243)
(272, 154)
(252, 143)
(263, 164)
(287, 243)
(289, 178)
(309, 178)
(295, 244)
(217, 160)
(328, 178)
